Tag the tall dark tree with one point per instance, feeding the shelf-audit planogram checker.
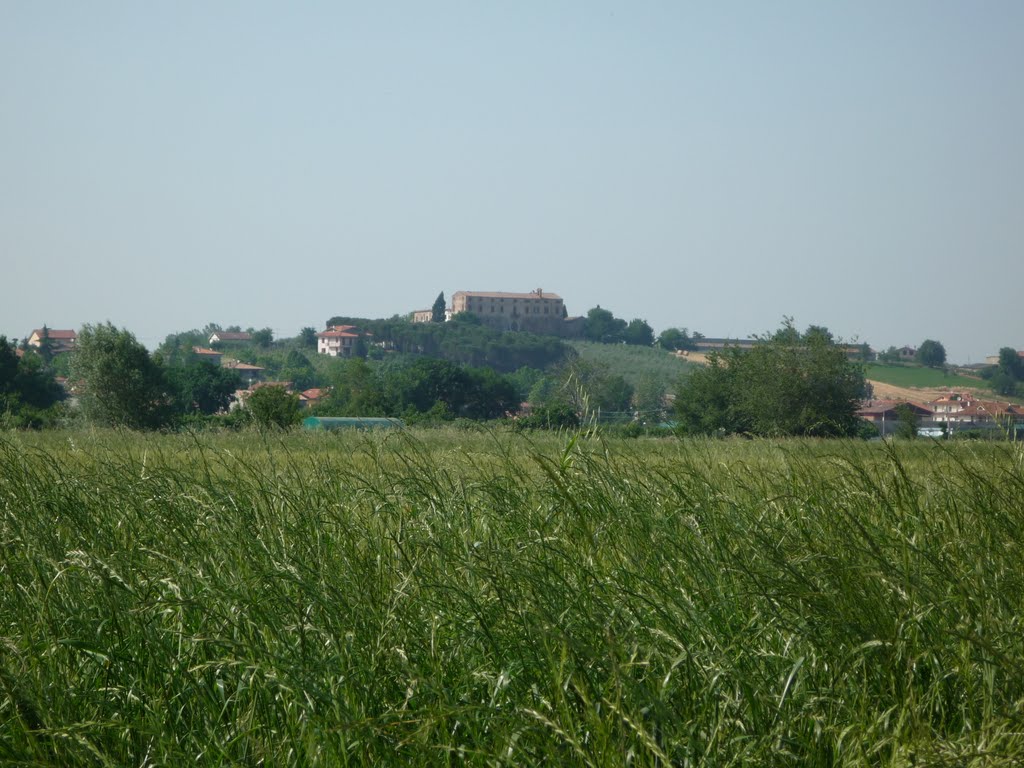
(603, 326)
(639, 333)
(202, 387)
(931, 353)
(307, 337)
(264, 337)
(437, 311)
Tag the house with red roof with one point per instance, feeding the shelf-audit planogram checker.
(339, 340)
(60, 340)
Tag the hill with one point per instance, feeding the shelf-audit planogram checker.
(634, 362)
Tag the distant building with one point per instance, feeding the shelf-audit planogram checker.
(209, 355)
(423, 316)
(222, 337)
(537, 311)
(60, 340)
(339, 340)
(249, 374)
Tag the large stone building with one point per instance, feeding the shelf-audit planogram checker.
(536, 311)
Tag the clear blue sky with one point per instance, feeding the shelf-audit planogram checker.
(715, 166)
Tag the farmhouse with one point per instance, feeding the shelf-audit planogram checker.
(339, 340)
(227, 337)
(60, 340)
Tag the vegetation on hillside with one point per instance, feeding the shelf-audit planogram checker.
(900, 375)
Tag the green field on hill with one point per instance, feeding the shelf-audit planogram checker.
(919, 376)
(448, 597)
(633, 362)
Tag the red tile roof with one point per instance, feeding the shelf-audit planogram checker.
(55, 334)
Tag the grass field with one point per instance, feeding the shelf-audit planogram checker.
(449, 597)
(919, 376)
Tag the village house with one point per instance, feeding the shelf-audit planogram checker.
(962, 410)
(339, 340)
(249, 374)
(885, 414)
(59, 340)
(229, 337)
(209, 355)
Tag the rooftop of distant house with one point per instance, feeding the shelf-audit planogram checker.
(55, 333)
(231, 335)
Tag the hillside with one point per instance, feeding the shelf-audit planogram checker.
(633, 362)
(920, 377)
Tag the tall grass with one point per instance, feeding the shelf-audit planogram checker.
(451, 598)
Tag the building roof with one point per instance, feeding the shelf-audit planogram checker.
(55, 334)
(316, 393)
(879, 407)
(992, 409)
(232, 335)
(205, 351)
(538, 294)
(343, 331)
(240, 366)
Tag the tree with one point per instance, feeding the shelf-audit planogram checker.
(121, 385)
(639, 333)
(201, 387)
(307, 337)
(908, 420)
(274, 407)
(603, 326)
(45, 348)
(674, 339)
(264, 337)
(1008, 373)
(931, 353)
(787, 385)
(298, 370)
(437, 311)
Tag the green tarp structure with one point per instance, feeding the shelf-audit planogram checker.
(350, 422)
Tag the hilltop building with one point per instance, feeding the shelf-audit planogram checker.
(537, 311)
(59, 340)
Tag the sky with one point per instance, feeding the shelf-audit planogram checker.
(714, 166)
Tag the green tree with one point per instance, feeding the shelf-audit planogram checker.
(121, 385)
(786, 385)
(437, 311)
(931, 353)
(307, 337)
(263, 338)
(45, 348)
(603, 326)
(675, 338)
(202, 387)
(907, 422)
(638, 333)
(274, 408)
(298, 370)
